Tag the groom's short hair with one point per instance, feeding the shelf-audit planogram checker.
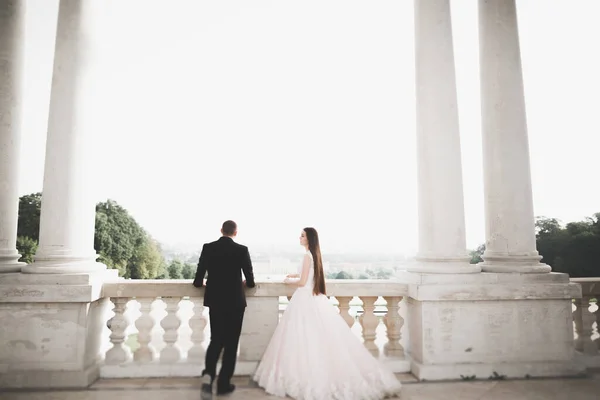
(229, 227)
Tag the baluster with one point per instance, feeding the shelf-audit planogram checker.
(144, 324)
(170, 323)
(584, 320)
(393, 323)
(577, 323)
(345, 309)
(197, 324)
(597, 314)
(119, 353)
(369, 322)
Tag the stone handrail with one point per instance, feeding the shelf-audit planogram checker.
(184, 288)
(138, 347)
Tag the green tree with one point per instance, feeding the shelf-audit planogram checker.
(383, 274)
(120, 241)
(574, 249)
(162, 272)
(477, 254)
(330, 275)
(30, 207)
(27, 248)
(176, 269)
(343, 275)
(188, 271)
(146, 260)
(123, 244)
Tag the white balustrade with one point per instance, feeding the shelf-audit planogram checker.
(170, 351)
(587, 322)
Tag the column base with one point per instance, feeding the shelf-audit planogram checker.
(443, 266)
(49, 379)
(524, 264)
(497, 371)
(521, 267)
(63, 266)
(9, 261)
(51, 329)
(491, 325)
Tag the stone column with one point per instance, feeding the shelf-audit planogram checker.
(442, 244)
(68, 209)
(510, 230)
(12, 27)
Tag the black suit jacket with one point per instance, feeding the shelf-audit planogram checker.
(224, 260)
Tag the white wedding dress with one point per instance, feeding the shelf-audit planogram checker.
(313, 355)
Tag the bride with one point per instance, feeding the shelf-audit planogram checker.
(313, 354)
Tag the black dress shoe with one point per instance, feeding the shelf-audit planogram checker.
(221, 390)
(207, 382)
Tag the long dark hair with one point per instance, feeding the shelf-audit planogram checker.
(315, 249)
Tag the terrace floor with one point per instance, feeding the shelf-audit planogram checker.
(586, 388)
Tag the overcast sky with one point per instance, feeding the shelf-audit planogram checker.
(285, 114)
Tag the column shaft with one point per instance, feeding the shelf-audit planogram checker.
(442, 244)
(68, 209)
(510, 226)
(12, 42)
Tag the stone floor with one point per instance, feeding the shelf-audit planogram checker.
(188, 388)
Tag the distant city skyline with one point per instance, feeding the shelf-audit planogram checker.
(282, 115)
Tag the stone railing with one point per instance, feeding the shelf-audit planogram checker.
(586, 318)
(160, 328)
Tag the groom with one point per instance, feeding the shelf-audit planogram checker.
(224, 260)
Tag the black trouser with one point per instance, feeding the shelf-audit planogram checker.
(225, 330)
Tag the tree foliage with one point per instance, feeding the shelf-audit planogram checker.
(27, 248)
(123, 244)
(573, 249)
(119, 240)
(343, 275)
(178, 269)
(477, 254)
(188, 271)
(30, 207)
